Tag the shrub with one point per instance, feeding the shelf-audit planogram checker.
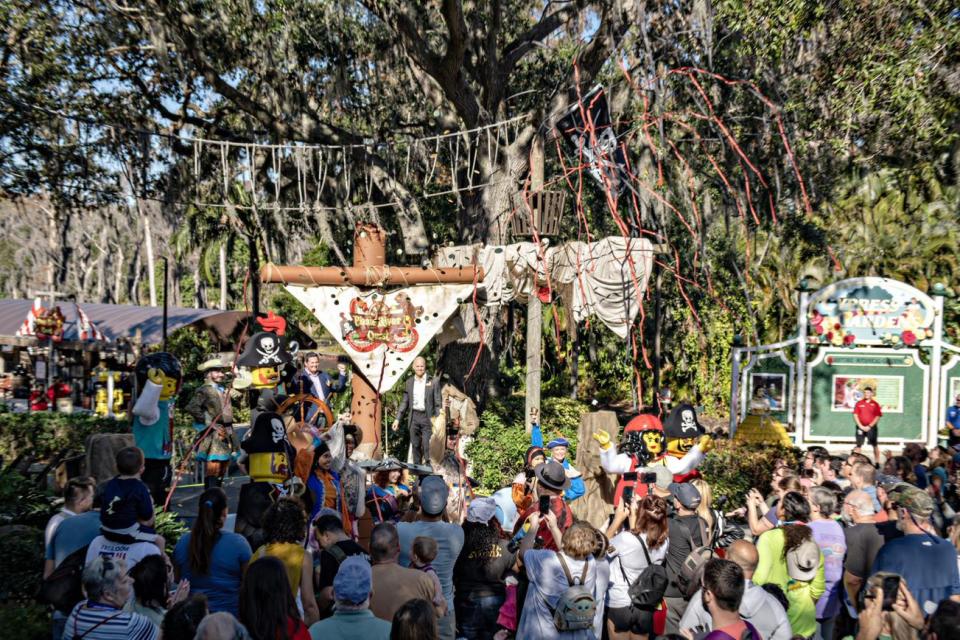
(170, 526)
(22, 502)
(25, 621)
(21, 562)
(44, 435)
(500, 442)
(732, 469)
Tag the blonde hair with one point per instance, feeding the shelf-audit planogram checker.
(579, 541)
(705, 508)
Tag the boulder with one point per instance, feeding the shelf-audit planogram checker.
(102, 451)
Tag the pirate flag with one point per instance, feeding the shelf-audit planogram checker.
(682, 423)
(588, 129)
(264, 349)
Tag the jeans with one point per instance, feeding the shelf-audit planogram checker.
(477, 617)
(448, 626)
(59, 625)
(825, 628)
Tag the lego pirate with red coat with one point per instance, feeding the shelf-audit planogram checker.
(643, 446)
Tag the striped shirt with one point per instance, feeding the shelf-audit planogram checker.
(95, 621)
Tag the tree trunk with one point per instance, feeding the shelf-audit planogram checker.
(148, 245)
(223, 276)
(118, 275)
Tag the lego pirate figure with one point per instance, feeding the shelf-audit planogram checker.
(158, 377)
(269, 461)
(643, 445)
(108, 393)
(557, 450)
(212, 416)
(264, 357)
(453, 469)
(685, 435)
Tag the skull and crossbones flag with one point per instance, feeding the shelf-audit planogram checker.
(682, 423)
(264, 349)
(588, 129)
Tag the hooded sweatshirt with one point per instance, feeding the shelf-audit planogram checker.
(758, 607)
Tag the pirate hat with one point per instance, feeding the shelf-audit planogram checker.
(264, 349)
(216, 361)
(643, 422)
(682, 422)
(268, 435)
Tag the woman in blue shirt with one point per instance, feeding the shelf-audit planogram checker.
(214, 561)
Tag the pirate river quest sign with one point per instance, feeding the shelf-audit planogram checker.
(870, 311)
(390, 320)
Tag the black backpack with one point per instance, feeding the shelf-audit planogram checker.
(650, 586)
(688, 580)
(64, 587)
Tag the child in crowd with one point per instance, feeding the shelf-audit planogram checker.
(127, 512)
(422, 553)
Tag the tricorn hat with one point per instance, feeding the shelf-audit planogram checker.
(268, 435)
(682, 422)
(264, 349)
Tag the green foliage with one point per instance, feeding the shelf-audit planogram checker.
(44, 435)
(498, 446)
(191, 347)
(170, 526)
(21, 562)
(733, 468)
(25, 621)
(21, 502)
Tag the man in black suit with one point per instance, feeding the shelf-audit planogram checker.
(421, 397)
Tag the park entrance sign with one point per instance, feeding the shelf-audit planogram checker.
(853, 334)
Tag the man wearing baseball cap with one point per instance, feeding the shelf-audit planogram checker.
(685, 527)
(927, 562)
(433, 493)
(352, 618)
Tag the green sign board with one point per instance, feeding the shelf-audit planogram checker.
(837, 379)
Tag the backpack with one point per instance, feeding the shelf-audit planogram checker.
(688, 581)
(577, 607)
(64, 587)
(650, 586)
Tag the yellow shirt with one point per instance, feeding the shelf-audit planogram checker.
(290, 554)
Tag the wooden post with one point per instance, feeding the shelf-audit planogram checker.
(534, 307)
(369, 251)
(369, 271)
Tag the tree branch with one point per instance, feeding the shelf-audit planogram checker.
(514, 52)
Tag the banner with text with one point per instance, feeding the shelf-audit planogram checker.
(383, 331)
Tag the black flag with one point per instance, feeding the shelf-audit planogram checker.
(587, 128)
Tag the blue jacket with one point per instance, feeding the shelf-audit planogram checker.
(576, 488)
(328, 386)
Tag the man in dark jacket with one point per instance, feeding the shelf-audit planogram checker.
(319, 384)
(421, 397)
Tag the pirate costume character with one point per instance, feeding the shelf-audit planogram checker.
(212, 416)
(324, 486)
(684, 434)
(576, 488)
(644, 445)
(453, 469)
(269, 461)
(524, 484)
(159, 376)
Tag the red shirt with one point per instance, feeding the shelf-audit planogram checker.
(564, 520)
(867, 411)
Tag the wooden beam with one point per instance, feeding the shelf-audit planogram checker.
(369, 276)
